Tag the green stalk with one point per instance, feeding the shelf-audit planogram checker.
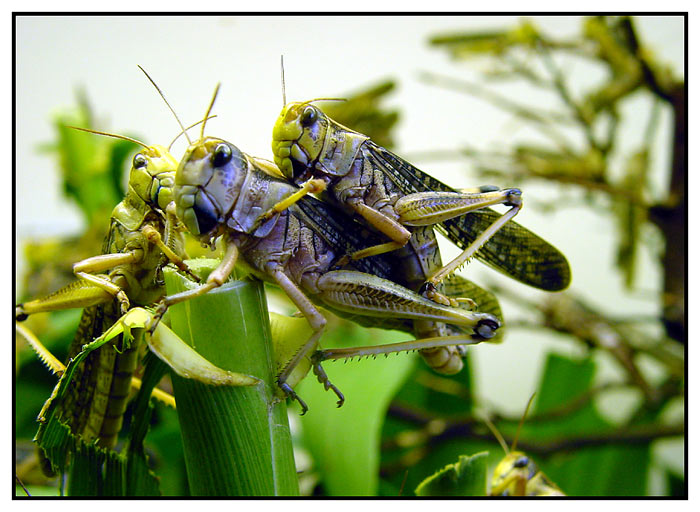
(236, 439)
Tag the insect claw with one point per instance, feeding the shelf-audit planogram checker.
(323, 378)
(286, 388)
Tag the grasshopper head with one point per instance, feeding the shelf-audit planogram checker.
(152, 176)
(298, 139)
(308, 144)
(512, 474)
(207, 184)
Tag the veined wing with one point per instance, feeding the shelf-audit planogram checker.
(514, 250)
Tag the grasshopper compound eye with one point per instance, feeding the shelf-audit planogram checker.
(308, 116)
(521, 462)
(139, 161)
(222, 155)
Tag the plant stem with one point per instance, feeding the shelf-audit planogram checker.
(236, 439)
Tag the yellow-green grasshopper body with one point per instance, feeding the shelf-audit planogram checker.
(142, 238)
(132, 260)
(517, 475)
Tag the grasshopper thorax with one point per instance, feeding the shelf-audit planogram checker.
(207, 184)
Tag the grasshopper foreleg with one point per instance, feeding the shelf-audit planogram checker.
(215, 279)
(313, 186)
(317, 322)
(153, 236)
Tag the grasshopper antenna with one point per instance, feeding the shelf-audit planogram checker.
(107, 134)
(190, 126)
(211, 104)
(496, 434)
(522, 420)
(324, 99)
(168, 104)
(284, 90)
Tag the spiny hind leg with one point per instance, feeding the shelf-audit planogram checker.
(79, 294)
(423, 344)
(512, 198)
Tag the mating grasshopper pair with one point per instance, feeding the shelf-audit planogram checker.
(222, 192)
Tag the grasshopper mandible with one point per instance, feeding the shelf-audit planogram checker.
(222, 192)
(393, 197)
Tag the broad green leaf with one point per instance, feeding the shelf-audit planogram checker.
(607, 470)
(91, 166)
(466, 477)
(429, 394)
(345, 442)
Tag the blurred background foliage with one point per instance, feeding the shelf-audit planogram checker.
(404, 422)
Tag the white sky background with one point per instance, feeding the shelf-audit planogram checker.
(324, 56)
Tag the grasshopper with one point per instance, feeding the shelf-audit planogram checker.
(133, 253)
(222, 192)
(142, 238)
(517, 474)
(394, 197)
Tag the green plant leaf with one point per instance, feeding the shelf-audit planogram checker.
(466, 477)
(345, 442)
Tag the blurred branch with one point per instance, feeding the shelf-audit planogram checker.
(613, 44)
(434, 430)
(543, 120)
(362, 111)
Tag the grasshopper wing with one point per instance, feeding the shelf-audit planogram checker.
(513, 250)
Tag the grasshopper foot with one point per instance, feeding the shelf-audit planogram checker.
(123, 302)
(291, 394)
(323, 378)
(157, 317)
(429, 291)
